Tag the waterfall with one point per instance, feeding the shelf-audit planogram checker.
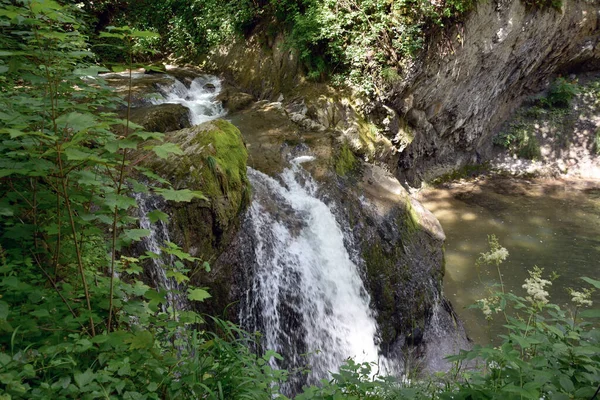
(306, 296)
(159, 236)
(200, 98)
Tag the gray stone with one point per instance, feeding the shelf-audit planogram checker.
(161, 118)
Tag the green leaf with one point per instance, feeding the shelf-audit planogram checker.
(178, 276)
(165, 149)
(595, 313)
(40, 313)
(83, 379)
(566, 383)
(180, 195)
(136, 234)
(3, 310)
(157, 215)
(198, 294)
(77, 121)
(592, 282)
(115, 145)
(75, 154)
(141, 340)
(143, 34)
(147, 135)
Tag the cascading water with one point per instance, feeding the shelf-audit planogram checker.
(200, 98)
(159, 237)
(306, 297)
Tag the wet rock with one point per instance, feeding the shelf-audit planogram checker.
(144, 87)
(162, 117)
(209, 87)
(234, 100)
(214, 163)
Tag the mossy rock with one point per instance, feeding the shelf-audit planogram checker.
(345, 161)
(213, 162)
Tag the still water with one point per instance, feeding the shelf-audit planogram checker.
(552, 224)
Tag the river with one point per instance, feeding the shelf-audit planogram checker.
(553, 224)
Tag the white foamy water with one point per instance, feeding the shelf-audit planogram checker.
(200, 98)
(309, 293)
(159, 237)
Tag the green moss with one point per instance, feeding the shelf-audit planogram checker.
(213, 162)
(345, 161)
(412, 220)
(467, 171)
(367, 134)
(380, 267)
(222, 171)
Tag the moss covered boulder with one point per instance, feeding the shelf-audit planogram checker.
(213, 162)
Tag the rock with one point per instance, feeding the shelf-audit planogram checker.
(209, 87)
(456, 100)
(214, 163)
(162, 117)
(261, 65)
(185, 75)
(235, 101)
(144, 87)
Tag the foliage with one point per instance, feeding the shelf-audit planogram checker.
(365, 42)
(560, 94)
(76, 321)
(520, 140)
(548, 352)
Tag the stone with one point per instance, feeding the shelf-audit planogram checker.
(457, 101)
(162, 117)
(236, 101)
(214, 163)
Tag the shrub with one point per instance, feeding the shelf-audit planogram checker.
(560, 94)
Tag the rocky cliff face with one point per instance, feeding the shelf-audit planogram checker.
(467, 85)
(444, 113)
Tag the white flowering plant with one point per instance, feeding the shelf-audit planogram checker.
(548, 352)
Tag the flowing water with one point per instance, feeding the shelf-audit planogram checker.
(157, 268)
(200, 97)
(554, 225)
(306, 296)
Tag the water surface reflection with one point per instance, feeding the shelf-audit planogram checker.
(552, 224)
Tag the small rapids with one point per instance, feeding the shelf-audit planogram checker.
(200, 98)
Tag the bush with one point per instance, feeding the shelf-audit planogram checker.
(560, 94)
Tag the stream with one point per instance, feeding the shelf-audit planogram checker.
(552, 224)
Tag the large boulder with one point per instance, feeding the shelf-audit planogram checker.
(213, 162)
(162, 117)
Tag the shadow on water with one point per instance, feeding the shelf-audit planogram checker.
(552, 224)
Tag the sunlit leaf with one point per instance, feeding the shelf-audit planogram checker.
(180, 195)
(198, 294)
